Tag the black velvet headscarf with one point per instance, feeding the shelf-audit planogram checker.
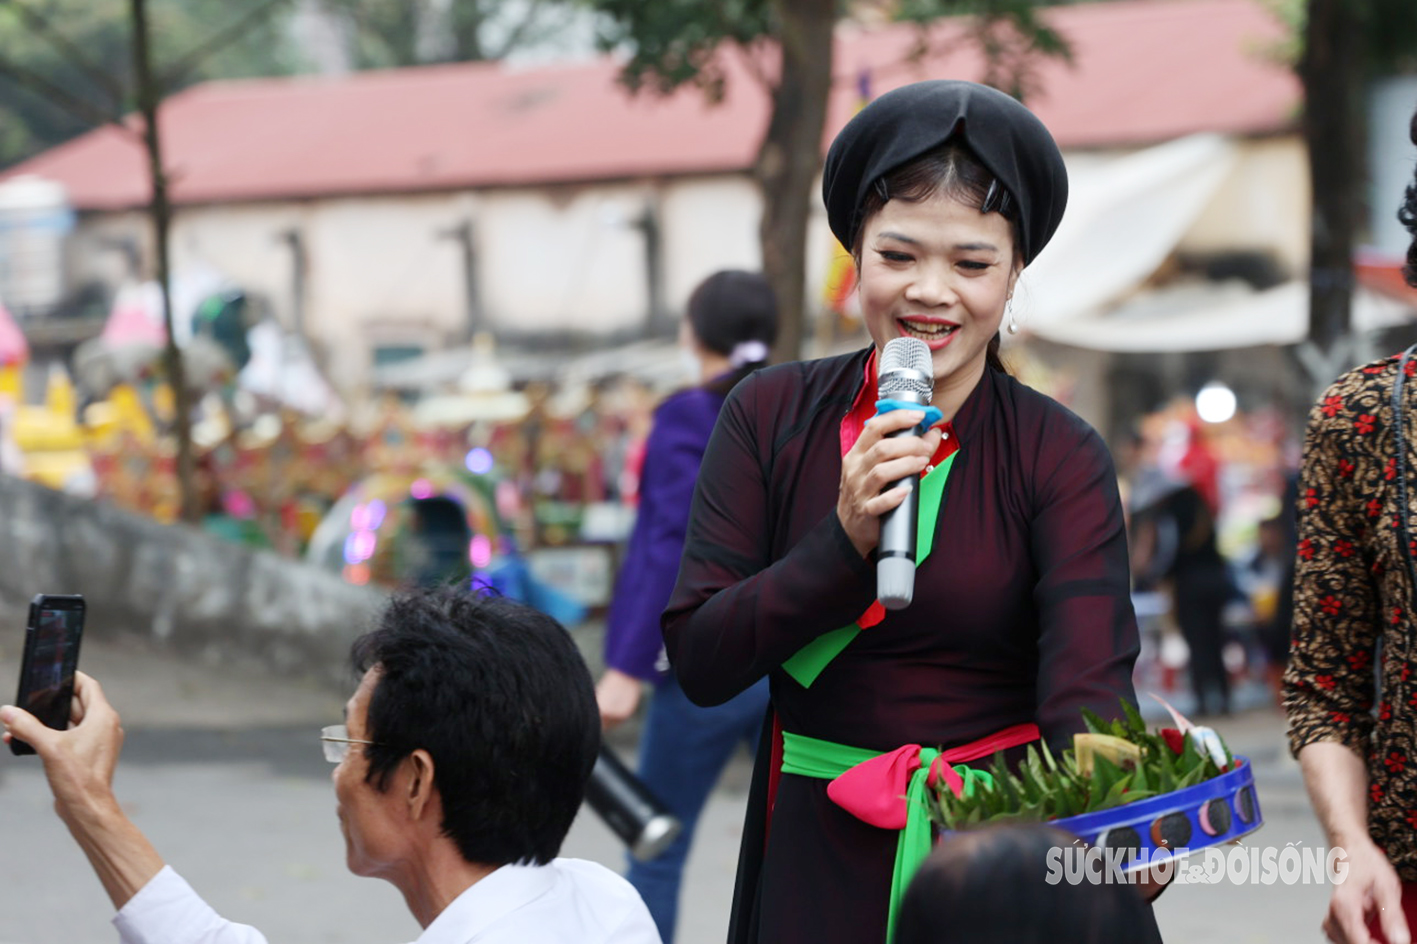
(908, 122)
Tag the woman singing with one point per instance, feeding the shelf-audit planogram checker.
(943, 191)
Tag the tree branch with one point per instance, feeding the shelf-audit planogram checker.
(186, 63)
(39, 25)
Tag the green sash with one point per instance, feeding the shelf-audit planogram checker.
(826, 760)
(812, 658)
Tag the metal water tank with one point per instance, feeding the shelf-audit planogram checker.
(35, 216)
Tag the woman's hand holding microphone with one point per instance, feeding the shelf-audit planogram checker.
(874, 463)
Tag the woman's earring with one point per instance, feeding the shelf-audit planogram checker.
(1013, 321)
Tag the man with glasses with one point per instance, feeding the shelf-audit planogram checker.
(461, 763)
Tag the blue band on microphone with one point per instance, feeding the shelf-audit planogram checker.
(932, 413)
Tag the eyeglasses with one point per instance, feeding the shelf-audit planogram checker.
(336, 740)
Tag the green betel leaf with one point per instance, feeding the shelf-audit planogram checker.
(1011, 789)
(1104, 775)
(1131, 796)
(1135, 724)
(1094, 722)
(1048, 756)
(1116, 795)
(1034, 812)
(1140, 779)
(1166, 777)
(1033, 789)
(1045, 786)
(1191, 778)
(1033, 762)
(1190, 758)
(1063, 805)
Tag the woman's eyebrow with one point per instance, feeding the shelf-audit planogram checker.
(898, 237)
(958, 247)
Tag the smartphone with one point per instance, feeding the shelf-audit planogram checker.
(56, 624)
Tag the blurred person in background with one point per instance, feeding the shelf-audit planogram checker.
(1267, 579)
(730, 327)
(1201, 586)
(997, 884)
(1354, 642)
(1174, 544)
(445, 785)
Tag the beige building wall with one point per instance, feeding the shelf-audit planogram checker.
(1263, 205)
(710, 223)
(382, 271)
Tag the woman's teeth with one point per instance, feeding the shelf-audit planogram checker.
(928, 332)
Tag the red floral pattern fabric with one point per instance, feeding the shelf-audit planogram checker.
(1352, 600)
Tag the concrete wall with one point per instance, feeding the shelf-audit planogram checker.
(201, 596)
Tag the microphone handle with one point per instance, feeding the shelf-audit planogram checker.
(625, 804)
(895, 553)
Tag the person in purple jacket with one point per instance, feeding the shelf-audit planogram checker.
(731, 322)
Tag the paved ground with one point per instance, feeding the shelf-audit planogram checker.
(223, 771)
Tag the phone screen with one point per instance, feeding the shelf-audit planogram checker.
(51, 659)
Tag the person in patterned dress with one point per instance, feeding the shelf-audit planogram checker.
(1353, 645)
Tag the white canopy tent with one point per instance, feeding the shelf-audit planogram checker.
(1125, 216)
(1209, 316)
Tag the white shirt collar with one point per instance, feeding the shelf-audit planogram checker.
(488, 901)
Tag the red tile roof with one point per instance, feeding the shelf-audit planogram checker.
(1143, 71)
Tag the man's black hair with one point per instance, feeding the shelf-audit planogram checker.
(992, 885)
(500, 698)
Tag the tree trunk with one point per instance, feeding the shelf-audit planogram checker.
(790, 156)
(160, 211)
(1331, 73)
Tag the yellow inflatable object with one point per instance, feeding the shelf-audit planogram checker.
(40, 429)
(57, 469)
(59, 394)
(12, 382)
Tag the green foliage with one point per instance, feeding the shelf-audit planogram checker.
(1012, 34)
(1045, 788)
(1391, 34)
(1388, 29)
(671, 42)
(390, 33)
(83, 49)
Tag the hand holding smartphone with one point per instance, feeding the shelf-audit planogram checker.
(51, 657)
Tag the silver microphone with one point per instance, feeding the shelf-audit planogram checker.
(906, 374)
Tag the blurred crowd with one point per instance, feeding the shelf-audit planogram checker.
(396, 493)
(1210, 510)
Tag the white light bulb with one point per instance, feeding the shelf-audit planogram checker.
(1215, 403)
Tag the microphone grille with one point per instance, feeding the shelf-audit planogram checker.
(905, 368)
